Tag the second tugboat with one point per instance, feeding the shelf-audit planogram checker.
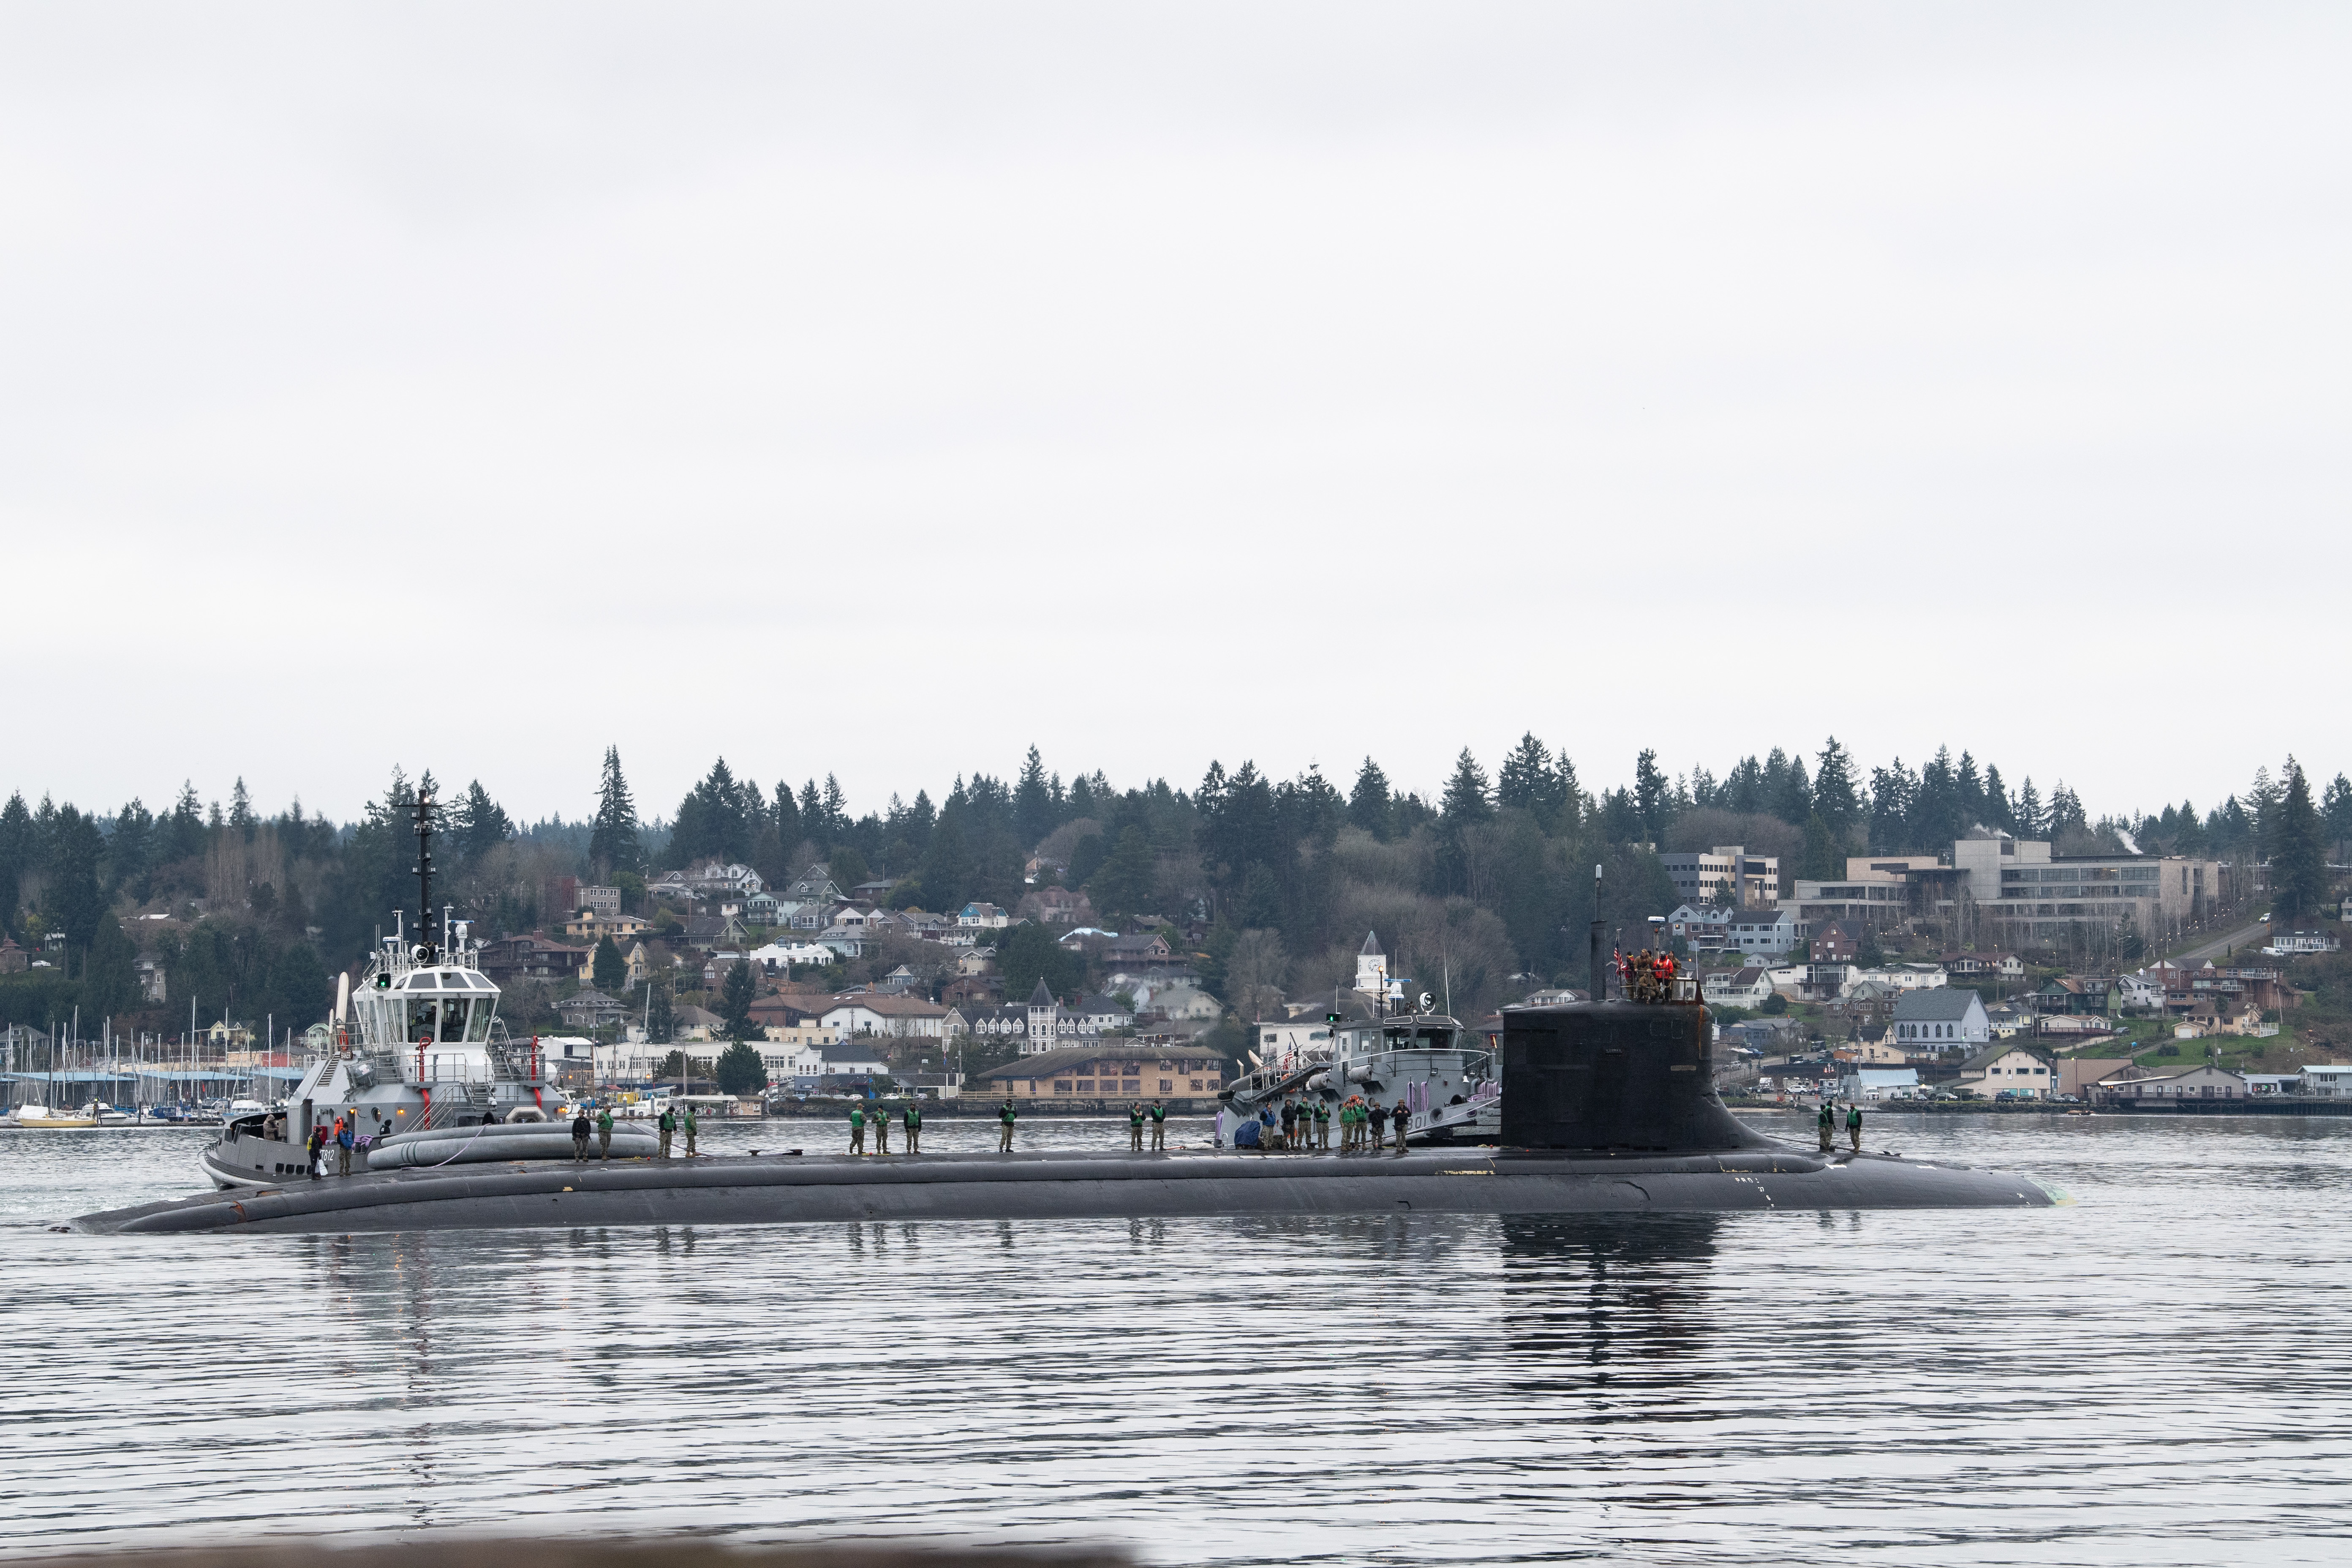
(1376, 1048)
(422, 1068)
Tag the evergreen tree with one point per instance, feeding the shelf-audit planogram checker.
(75, 902)
(785, 813)
(480, 823)
(740, 1070)
(1467, 800)
(111, 972)
(240, 811)
(951, 871)
(1526, 781)
(716, 820)
(2066, 810)
(660, 1016)
(130, 851)
(1032, 803)
(2336, 814)
(16, 855)
(1028, 954)
(1971, 790)
(1793, 802)
(2031, 822)
(1743, 788)
(813, 818)
(1823, 861)
(735, 997)
(836, 809)
(1836, 798)
(1126, 882)
(613, 842)
(2298, 857)
(1368, 807)
(1652, 799)
(607, 971)
(2000, 812)
(185, 840)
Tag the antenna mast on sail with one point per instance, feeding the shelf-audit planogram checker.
(424, 877)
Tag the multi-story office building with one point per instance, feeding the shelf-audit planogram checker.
(1726, 874)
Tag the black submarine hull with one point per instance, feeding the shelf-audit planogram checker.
(773, 1189)
(1607, 1107)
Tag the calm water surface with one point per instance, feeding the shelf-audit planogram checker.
(2159, 1375)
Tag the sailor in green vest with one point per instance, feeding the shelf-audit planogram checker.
(604, 1133)
(689, 1132)
(1005, 1114)
(857, 1128)
(1322, 1124)
(1158, 1126)
(1853, 1125)
(914, 1119)
(881, 1130)
(1135, 1127)
(1828, 1124)
(666, 1123)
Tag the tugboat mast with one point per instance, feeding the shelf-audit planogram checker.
(425, 952)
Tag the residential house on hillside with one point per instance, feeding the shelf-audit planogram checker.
(763, 909)
(1705, 927)
(893, 1018)
(778, 956)
(592, 928)
(671, 888)
(813, 886)
(1940, 1018)
(532, 957)
(2079, 995)
(731, 877)
(1057, 906)
(588, 1010)
(688, 1022)
(1775, 930)
(1143, 947)
(982, 917)
(708, 932)
(1838, 942)
(1749, 988)
(2005, 966)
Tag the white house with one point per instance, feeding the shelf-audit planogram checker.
(1747, 987)
(1879, 1083)
(1774, 932)
(1939, 1018)
(2328, 1081)
(2207, 1082)
(987, 916)
(898, 1018)
(732, 877)
(1701, 925)
(780, 954)
(2004, 1069)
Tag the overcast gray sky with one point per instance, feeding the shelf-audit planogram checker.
(879, 389)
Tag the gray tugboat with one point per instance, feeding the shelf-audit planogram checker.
(422, 1067)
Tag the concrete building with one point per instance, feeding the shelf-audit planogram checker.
(2027, 897)
(1726, 874)
(2003, 1067)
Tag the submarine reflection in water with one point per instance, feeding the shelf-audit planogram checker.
(1580, 1291)
(1606, 1107)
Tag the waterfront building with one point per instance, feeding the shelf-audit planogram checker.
(1936, 1019)
(1076, 1075)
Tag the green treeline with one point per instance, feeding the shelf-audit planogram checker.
(1481, 892)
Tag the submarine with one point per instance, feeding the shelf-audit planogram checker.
(1608, 1106)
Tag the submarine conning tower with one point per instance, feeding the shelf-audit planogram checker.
(1631, 1076)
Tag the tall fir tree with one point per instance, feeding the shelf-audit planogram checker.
(1369, 805)
(612, 841)
(2299, 853)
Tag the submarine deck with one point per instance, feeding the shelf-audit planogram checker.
(783, 1188)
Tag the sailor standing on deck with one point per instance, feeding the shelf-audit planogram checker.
(581, 1128)
(318, 1144)
(1322, 1125)
(1853, 1125)
(604, 1133)
(914, 1118)
(345, 1136)
(1828, 1123)
(689, 1132)
(1380, 1115)
(1005, 1115)
(857, 1128)
(1158, 1126)
(1135, 1127)
(881, 1130)
(1402, 1117)
(667, 1123)
(1290, 1126)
